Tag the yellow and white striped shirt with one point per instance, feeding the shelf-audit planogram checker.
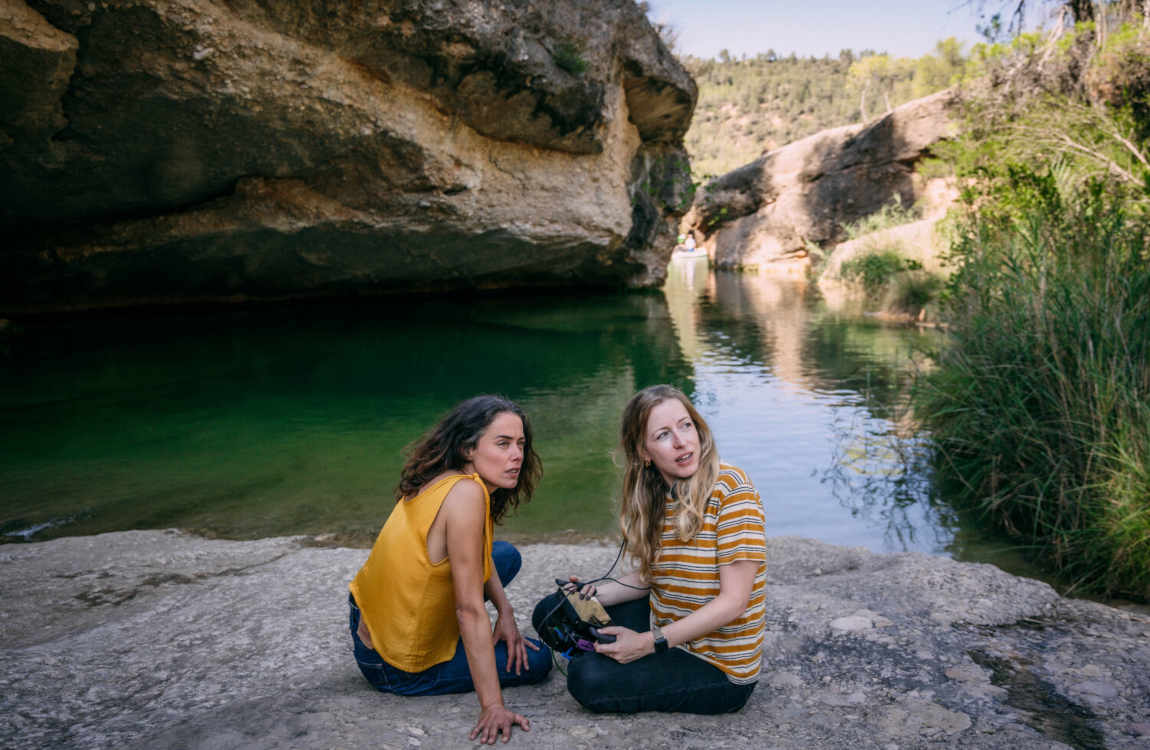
(685, 575)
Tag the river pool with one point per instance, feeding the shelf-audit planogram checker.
(273, 420)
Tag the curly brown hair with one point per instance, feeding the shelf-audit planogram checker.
(444, 448)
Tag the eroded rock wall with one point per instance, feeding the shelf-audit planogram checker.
(171, 150)
(767, 213)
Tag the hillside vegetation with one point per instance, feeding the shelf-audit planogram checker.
(749, 106)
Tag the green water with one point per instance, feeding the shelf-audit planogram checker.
(287, 420)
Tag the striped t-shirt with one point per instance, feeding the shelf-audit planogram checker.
(685, 575)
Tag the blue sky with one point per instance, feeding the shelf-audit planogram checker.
(814, 27)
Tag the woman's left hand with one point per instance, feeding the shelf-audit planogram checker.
(628, 645)
(506, 630)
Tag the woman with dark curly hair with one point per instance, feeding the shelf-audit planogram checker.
(418, 620)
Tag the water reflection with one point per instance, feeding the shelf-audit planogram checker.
(292, 420)
(813, 406)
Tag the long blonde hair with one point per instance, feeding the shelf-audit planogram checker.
(645, 490)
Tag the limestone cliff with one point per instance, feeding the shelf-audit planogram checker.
(173, 150)
(765, 213)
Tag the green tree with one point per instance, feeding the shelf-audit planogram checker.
(876, 76)
(940, 70)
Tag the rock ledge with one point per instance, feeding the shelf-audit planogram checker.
(159, 639)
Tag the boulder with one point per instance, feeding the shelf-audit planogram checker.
(159, 151)
(768, 213)
(160, 639)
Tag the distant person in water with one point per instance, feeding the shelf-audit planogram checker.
(418, 620)
(689, 623)
(686, 244)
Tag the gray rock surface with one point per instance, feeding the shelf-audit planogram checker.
(159, 639)
(177, 150)
(766, 214)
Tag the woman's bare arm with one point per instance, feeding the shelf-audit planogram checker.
(466, 519)
(506, 629)
(736, 581)
(625, 588)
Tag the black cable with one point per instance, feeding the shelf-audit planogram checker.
(605, 577)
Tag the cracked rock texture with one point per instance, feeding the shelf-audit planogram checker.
(767, 213)
(154, 639)
(175, 150)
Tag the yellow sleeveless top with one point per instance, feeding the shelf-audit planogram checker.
(405, 600)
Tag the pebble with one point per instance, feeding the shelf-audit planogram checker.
(851, 624)
(966, 673)
(1096, 688)
(784, 680)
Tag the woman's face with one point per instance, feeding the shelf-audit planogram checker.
(498, 454)
(671, 441)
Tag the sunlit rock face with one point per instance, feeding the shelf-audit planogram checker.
(768, 213)
(178, 150)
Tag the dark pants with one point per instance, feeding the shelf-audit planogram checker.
(452, 676)
(674, 680)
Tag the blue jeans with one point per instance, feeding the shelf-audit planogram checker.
(452, 676)
(674, 680)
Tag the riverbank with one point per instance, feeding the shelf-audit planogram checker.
(160, 639)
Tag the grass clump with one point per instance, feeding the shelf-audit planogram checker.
(569, 57)
(876, 269)
(892, 214)
(913, 291)
(1040, 408)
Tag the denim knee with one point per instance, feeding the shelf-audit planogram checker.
(586, 682)
(739, 701)
(507, 561)
(538, 664)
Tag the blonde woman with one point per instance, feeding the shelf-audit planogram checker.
(688, 624)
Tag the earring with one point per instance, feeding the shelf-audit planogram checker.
(647, 463)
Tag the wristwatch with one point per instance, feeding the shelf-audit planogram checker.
(660, 639)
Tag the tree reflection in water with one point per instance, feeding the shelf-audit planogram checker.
(813, 405)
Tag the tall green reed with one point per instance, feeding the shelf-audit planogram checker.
(1039, 408)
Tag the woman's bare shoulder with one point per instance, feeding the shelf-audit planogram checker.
(466, 494)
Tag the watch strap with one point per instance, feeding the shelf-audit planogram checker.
(660, 639)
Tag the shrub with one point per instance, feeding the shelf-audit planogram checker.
(913, 291)
(875, 269)
(569, 57)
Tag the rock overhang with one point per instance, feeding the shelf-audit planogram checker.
(413, 117)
